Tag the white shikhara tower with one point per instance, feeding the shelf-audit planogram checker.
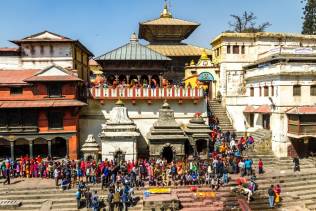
(119, 135)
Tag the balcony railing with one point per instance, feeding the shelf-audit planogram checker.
(147, 93)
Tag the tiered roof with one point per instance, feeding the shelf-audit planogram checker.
(133, 51)
(166, 28)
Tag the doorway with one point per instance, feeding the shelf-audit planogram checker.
(59, 147)
(201, 146)
(119, 156)
(167, 153)
(266, 121)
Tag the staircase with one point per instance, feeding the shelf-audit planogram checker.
(34, 198)
(298, 190)
(220, 112)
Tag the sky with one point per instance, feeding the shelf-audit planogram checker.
(102, 25)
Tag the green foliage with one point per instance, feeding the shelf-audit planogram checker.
(246, 23)
(309, 12)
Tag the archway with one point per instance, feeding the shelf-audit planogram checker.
(21, 147)
(59, 147)
(167, 153)
(5, 149)
(40, 147)
(119, 156)
(201, 146)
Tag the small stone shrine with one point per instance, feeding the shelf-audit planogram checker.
(166, 138)
(199, 135)
(119, 135)
(91, 148)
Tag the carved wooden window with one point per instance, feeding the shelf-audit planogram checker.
(242, 49)
(236, 49)
(29, 117)
(54, 90)
(252, 91)
(55, 120)
(16, 90)
(266, 91)
(297, 90)
(313, 90)
(228, 50)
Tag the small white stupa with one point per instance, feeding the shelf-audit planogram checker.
(119, 135)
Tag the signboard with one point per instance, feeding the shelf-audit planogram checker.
(205, 76)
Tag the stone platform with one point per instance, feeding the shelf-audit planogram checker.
(157, 202)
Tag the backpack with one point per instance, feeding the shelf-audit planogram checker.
(116, 197)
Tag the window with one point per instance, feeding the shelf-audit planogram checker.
(272, 90)
(51, 49)
(313, 90)
(235, 49)
(260, 91)
(252, 91)
(16, 90)
(42, 50)
(55, 120)
(54, 90)
(228, 49)
(266, 91)
(251, 119)
(242, 49)
(29, 118)
(32, 50)
(296, 90)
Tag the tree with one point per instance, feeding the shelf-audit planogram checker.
(247, 23)
(309, 12)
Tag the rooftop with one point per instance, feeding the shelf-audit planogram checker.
(133, 51)
(15, 77)
(179, 50)
(276, 35)
(166, 28)
(47, 36)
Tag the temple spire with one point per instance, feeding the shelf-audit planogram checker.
(166, 13)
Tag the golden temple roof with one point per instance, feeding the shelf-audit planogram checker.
(179, 50)
(169, 21)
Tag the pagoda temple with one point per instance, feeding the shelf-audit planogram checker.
(165, 35)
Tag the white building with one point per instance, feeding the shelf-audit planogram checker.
(266, 80)
(44, 49)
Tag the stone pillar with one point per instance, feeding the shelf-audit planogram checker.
(12, 149)
(31, 148)
(49, 143)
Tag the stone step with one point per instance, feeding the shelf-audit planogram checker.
(36, 196)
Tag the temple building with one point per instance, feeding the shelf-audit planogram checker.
(165, 35)
(42, 89)
(166, 138)
(119, 136)
(133, 64)
(39, 112)
(203, 74)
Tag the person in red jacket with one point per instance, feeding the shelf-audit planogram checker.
(260, 166)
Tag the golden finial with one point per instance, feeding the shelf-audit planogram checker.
(192, 63)
(166, 13)
(204, 55)
(119, 103)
